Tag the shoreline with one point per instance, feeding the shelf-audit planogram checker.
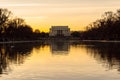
(75, 40)
(9, 42)
(100, 40)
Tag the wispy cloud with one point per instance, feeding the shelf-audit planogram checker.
(14, 5)
(33, 17)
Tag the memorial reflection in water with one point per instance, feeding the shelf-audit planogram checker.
(59, 47)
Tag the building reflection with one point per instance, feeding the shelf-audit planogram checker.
(59, 47)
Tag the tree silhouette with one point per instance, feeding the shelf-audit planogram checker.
(75, 34)
(4, 16)
(16, 28)
(107, 28)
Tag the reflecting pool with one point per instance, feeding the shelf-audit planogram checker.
(60, 60)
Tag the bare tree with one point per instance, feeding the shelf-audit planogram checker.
(4, 16)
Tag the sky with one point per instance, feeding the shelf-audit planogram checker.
(42, 14)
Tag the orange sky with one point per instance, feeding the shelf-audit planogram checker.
(42, 14)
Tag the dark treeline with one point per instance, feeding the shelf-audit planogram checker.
(106, 28)
(16, 28)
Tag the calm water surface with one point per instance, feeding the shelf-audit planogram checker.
(60, 60)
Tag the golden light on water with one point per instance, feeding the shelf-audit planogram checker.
(70, 61)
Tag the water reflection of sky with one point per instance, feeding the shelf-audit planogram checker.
(84, 60)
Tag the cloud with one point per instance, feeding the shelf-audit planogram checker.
(14, 5)
(33, 17)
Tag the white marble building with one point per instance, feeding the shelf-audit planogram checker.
(59, 31)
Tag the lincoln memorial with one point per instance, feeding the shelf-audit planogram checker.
(59, 31)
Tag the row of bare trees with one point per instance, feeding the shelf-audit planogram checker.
(106, 28)
(16, 28)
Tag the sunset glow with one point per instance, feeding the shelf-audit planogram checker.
(42, 14)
